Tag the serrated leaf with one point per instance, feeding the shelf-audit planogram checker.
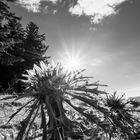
(90, 102)
(30, 125)
(92, 118)
(43, 123)
(14, 114)
(7, 98)
(25, 122)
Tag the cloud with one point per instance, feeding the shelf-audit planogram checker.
(97, 10)
(30, 5)
(47, 10)
(34, 5)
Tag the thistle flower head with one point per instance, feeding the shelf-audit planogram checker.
(45, 75)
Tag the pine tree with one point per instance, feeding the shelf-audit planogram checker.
(32, 50)
(7, 41)
(34, 46)
(5, 38)
(19, 48)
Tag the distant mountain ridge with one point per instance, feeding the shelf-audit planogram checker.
(136, 98)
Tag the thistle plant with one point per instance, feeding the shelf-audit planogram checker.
(61, 101)
(58, 105)
(123, 116)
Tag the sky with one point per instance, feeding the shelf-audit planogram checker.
(103, 34)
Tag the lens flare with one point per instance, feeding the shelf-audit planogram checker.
(72, 63)
(72, 55)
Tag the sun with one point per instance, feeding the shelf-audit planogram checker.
(72, 63)
(72, 56)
